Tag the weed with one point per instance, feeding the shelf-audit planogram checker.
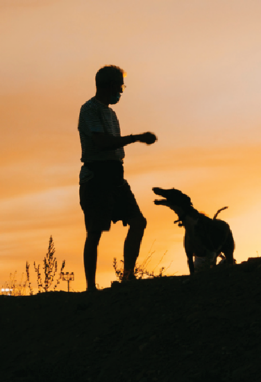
(12, 288)
(27, 266)
(50, 268)
(140, 270)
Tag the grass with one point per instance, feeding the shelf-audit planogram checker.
(13, 287)
(45, 282)
(141, 270)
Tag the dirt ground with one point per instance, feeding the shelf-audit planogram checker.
(204, 328)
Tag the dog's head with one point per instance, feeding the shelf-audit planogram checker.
(174, 199)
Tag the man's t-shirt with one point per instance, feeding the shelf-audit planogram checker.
(95, 117)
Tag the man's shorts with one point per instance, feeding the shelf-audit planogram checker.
(107, 198)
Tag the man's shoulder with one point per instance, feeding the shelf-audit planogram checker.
(93, 104)
(89, 105)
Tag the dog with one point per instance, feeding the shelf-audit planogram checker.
(204, 237)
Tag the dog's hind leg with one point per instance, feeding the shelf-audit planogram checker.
(229, 256)
(228, 249)
(212, 258)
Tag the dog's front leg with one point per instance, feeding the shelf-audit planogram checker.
(190, 262)
(189, 252)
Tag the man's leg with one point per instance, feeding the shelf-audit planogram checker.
(132, 245)
(90, 257)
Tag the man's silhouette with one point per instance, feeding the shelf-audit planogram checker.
(105, 195)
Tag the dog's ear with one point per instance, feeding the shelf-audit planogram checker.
(180, 224)
(185, 200)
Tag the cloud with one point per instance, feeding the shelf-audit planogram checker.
(14, 4)
(193, 79)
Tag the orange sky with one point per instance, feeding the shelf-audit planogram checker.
(193, 79)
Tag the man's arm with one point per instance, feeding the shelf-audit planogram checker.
(109, 142)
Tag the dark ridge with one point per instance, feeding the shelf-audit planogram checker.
(200, 328)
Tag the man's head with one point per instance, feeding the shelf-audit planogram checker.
(109, 83)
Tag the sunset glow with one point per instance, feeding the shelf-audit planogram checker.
(194, 80)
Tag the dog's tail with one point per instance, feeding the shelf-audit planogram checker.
(216, 214)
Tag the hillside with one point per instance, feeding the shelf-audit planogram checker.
(196, 329)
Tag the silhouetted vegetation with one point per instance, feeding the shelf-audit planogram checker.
(45, 282)
(140, 270)
(13, 287)
(50, 268)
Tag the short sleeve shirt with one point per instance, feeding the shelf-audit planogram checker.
(95, 117)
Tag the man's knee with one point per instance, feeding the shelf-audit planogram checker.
(93, 237)
(138, 223)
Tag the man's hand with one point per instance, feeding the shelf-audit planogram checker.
(148, 138)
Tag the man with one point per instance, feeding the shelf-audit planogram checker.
(104, 194)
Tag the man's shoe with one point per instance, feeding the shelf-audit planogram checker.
(127, 278)
(115, 284)
(92, 289)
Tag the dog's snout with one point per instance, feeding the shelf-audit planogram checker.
(157, 190)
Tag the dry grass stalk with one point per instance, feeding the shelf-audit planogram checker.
(12, 288)
(140, 270)
(50, 268)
